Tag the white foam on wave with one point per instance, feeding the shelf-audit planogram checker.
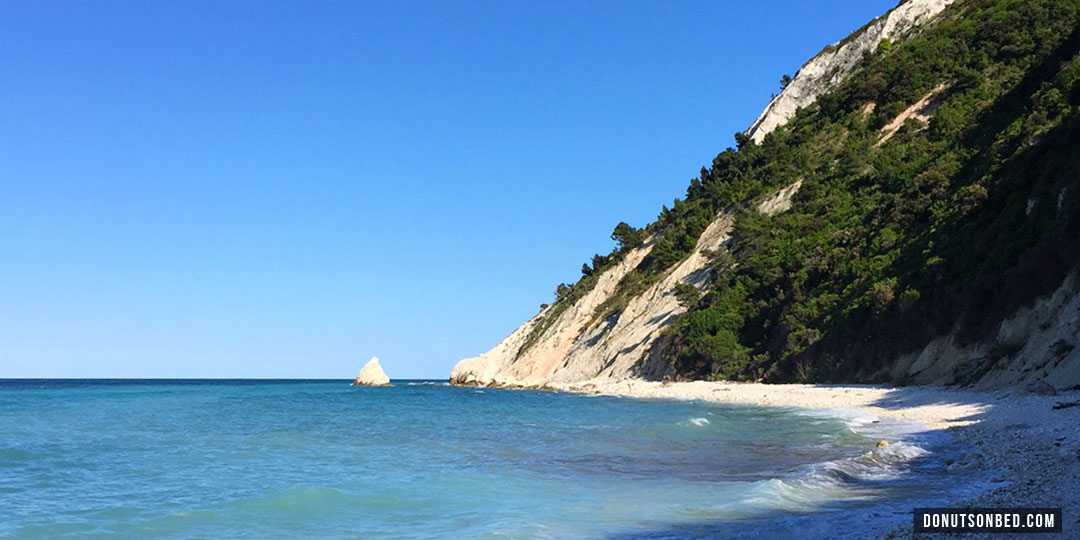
(855, 419)
(874, 427)
(427, 383)
(844, 479)
(859, 477)
(699, 421)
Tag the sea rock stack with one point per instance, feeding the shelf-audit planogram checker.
(372, 375)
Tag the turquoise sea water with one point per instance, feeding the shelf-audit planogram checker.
(318, 459)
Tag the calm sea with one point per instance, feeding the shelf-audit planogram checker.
(318, 459)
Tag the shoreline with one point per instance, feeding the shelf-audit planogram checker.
(1030, 449)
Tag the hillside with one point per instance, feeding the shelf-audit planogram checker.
(905, 210)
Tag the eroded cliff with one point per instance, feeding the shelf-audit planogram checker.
(836, 62)
(915, 222)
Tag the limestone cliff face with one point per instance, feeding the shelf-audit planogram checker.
(832, 65)
(578, 346)
(510, 362)
(562, 345)
(618, 347)
(1038, 343)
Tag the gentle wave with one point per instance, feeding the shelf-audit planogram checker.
(854, 419)
(843, 479)
(14, 454)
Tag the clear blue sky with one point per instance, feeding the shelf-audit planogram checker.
(268, 189)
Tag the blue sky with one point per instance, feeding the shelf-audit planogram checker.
(267, 189)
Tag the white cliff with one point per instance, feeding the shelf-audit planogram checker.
(832, 65)
(564, 345)
(619, 347)
(551, 348)
(581, 346)
(1037, 343)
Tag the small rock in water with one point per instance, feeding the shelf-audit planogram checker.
(372, 375)
(882, 443)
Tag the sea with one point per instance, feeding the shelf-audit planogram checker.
(313, 459)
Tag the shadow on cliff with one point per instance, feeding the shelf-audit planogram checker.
(996, 258)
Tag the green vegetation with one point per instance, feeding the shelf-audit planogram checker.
(947, 226)
(955, 224)
(1062, 348)
(626, 236)
(687, 294)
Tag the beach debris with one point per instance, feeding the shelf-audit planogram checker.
(372, 375)
(882, 443)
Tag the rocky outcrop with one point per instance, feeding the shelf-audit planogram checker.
(836, 62)
(781, 201)
(372, 375)
(921, 110)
